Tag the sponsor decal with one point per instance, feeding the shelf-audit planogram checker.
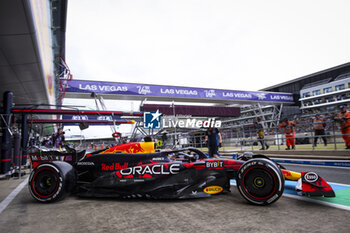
(175, 91)
(214, 164)
(102, 88)
(158, 159)
(237, 95)
(132, 147)
(311, 177)
(213, 189)
(144, 90)
(210, 93)
(282, 97)
(114, 166)
(261, 96)
(85, 164)
(105, 118)
(156, 169)
(42, 157)
(36, 158)
(80, 117)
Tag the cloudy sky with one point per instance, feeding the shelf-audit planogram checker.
(241, 45)
(238, 45)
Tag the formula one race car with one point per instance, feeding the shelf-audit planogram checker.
(183, 173)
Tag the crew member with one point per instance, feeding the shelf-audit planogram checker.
(289, 133)
(260, 130)
(46, 141)
(319, 126)
(343, 118)
(214, 140)
(58, 138)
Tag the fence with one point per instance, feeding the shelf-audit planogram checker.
(245, 137)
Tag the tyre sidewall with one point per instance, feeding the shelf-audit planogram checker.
(265, 164)
(58, 193)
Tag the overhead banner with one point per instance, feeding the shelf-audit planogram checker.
(82, 86)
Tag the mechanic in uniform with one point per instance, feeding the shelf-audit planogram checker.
(289, 133)
(319, 124)
(343, 118)
(260, 130)
(214, 140)
(58, 138)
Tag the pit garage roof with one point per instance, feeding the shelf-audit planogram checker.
(27, 60)
(295, 85)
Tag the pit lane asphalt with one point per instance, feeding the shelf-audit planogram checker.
(330, 174)
(220, 213)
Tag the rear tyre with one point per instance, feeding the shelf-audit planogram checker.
(50, 182)
(260, 181)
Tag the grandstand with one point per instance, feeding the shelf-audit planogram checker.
(320, 92)
(324, 98)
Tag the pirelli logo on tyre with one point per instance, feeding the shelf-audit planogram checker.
(213, 189)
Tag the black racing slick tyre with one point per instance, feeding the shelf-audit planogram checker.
(260, 181)
(50, 182)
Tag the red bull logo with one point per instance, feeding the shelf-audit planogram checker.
(114, 166)
(133, 147)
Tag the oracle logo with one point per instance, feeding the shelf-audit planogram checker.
(156, 169)
(311, 177)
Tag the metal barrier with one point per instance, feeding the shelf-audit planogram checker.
(247, 138)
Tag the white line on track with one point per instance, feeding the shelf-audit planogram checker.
(347, 185)
(12, 195)
(319, 202)
(312, 165)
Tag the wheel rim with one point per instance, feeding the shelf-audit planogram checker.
(259, 183)
(45, 182)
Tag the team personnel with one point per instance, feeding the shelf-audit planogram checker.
(319, 127)
(260, 130)
(214, 140)
(343, 118)
(289, 133)
(58, 138)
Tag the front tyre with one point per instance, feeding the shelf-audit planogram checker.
(51, 181)
(260, 181)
